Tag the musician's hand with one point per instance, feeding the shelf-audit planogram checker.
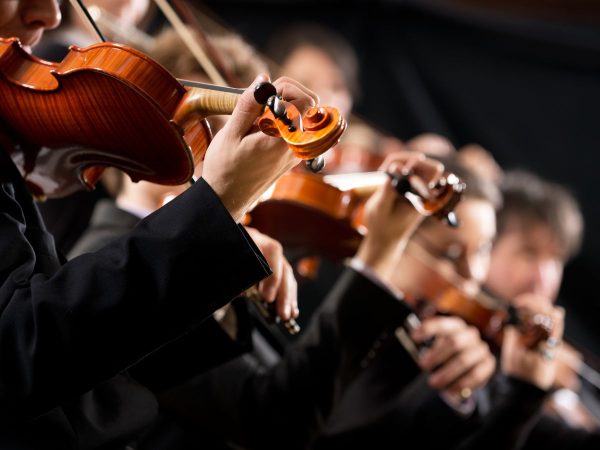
(458, 359)
(242, 162)
(537, 366)
(280, 286)
(389, 218)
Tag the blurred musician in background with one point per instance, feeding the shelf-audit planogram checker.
(540, 227)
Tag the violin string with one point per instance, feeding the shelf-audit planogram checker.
(120, 31)
(588, 373)
(190, 42)
(212, 87)
(580, 367)
(87, 17)
(191, 17)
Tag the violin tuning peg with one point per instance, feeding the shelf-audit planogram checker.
(452, 220)
(263, 92)
(276, 105)
(401, 183)
(315, 165)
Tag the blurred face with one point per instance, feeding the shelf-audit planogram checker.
(313, 68)
(130, 12)
(526, 259)
(27, 19)
(463, 251)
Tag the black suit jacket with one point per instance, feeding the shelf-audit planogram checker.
(67, 328)
(391, 406)
(286, 406)
(228, 402)
(202, 348)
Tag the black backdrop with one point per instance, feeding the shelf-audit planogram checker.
(528, 90)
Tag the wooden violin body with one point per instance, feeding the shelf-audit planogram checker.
(306, 214)
(309, 213)
(490, 319)
(111, 105)
(442, 294)
(89, 118)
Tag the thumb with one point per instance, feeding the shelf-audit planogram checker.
(246, 110)
(384, 198)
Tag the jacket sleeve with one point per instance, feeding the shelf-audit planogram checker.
(518, 421)
(65, 328)
(284, 406)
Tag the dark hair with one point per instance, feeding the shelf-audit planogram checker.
(477, 187)
(336, 47)
(530, 199)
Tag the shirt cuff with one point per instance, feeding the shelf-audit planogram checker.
(463, 406)
(359, 266)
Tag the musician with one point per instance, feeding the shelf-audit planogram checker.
(318, 56)
(394, 397)
(134, 201)
(297, 393)
(226, 403)
(405, 414)
(67, 217)
(540, 227)
(358, 402)
(67, 329)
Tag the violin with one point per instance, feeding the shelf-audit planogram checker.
(327, 210)
(111, 105)
(443, 294)
(490, 315)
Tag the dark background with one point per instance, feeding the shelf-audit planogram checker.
(520, 78)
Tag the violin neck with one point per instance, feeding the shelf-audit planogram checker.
(203, 102)
(362, 184)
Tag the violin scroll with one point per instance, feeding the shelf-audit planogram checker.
(534, 327)
(325, 125)
(444, 197)
(309, 136)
